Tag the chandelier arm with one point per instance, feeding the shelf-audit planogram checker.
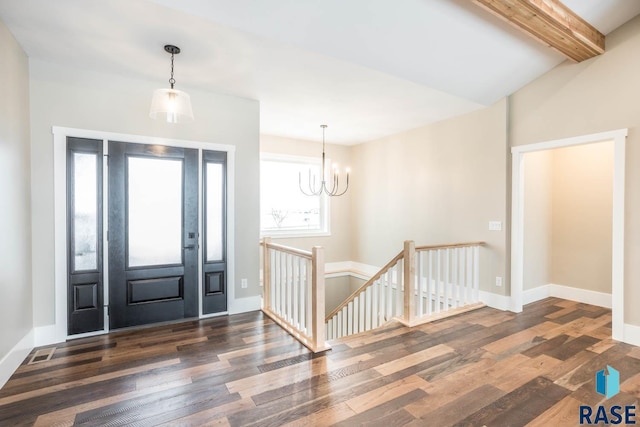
(345, 189)
(334, 185)
(312, 185)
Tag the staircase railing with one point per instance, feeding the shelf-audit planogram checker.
(447, 281)
(377, 301)
(443, 280)
(294, 294)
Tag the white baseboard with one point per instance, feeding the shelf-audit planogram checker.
(15, 357)
(631, 334)
(350, 268)
(46, 335)
(536, 294)
(599, 299)
(243, 305)
(501, 302)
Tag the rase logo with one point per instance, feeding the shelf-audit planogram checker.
(608, 385)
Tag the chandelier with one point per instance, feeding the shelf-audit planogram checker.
(332, 189)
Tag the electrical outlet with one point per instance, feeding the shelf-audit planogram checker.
(498, 281)
(243, 283)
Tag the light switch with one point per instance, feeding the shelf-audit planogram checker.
(495, 225)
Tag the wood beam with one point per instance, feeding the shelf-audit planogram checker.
(552, 23)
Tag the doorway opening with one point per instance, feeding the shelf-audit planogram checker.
(618, 139)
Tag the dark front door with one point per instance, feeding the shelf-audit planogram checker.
(153, 234)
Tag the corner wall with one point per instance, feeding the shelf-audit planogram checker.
(16, 314)
(437, 184)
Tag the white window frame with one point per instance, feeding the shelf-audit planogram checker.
(325, 205)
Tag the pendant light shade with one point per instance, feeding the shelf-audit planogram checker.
(171, 105)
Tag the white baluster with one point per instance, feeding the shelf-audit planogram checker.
(295, 319)
(454, 279)
(274, 281)
(429, 276)
(289, 282)
(470, 274)
(345, 320)
(389, 290)
(368, 309)
(363, 310)
(356, 315)
(438, 281)
(398, 288)
(374, 304)
(447, 283)
(476, 273)
(350, 318)
(463, 275)
(420, 269)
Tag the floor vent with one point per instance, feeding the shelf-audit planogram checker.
(43, 355)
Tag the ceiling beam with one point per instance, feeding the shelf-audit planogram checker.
(552, 23)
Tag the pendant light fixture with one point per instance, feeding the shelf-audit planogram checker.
(334, 178)
(171, 105)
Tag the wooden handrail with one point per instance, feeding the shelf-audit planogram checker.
(449, 246)
(366, 285)
(287, 249)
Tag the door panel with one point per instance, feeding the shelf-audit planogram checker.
(153, 223)
(214, 297)
(85, 312)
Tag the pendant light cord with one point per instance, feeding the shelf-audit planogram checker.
(172, 81)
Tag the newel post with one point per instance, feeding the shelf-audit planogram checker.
(409, 279)
(317, 298)
(266, 273)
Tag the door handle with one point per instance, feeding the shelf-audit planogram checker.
(189, 247)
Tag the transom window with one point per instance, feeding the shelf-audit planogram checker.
(284, 209)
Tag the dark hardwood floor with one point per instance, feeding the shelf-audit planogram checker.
(485, 367)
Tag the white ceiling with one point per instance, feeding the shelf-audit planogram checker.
(367, 68)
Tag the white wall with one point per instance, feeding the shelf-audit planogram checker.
(75, 98)
(16, 315)
(597, 95)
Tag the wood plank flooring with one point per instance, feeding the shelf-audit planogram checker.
(485, 367)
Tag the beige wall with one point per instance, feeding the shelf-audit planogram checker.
(582, 216)
(567, 218)
(597, 95)
(75, 98)
(338, 289)
(441, 183)
(538, 168)
(338, 244)
(16, 315)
